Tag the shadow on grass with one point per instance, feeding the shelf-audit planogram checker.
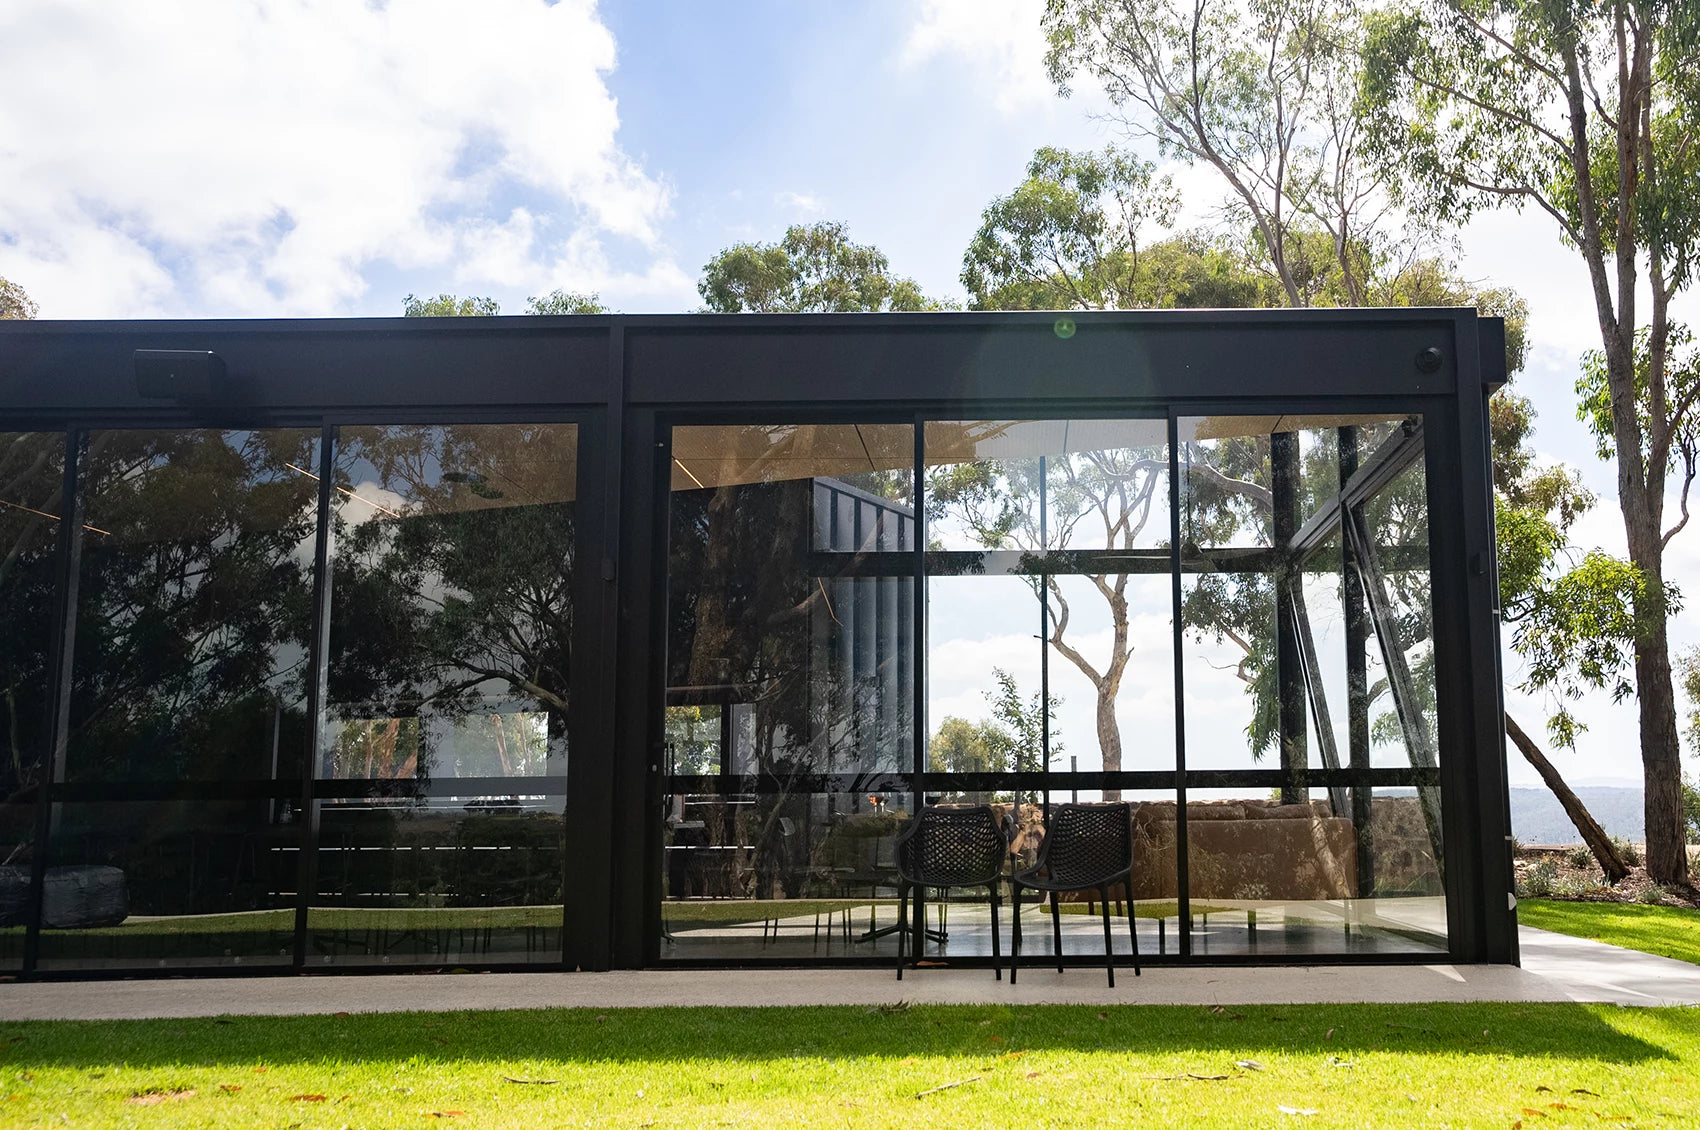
(1538, 1030)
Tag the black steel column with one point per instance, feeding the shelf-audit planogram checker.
(1289, 674)
(1183, 910)
(1357, 673)
(318, 679)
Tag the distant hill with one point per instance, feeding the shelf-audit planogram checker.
(1538, 818)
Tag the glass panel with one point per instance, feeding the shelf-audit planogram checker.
(32, 467)
(1050, 531)
(136, 884)
(1155, 894)
(17, 836)
(983, 679)
(781, 876)
(1289, 880)
(31, 482)
(194, 605)
(789, 652)
(451, 602)
(445, 879)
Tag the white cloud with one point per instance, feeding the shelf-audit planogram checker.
(217, 156)
(802, 203)
(999, 39)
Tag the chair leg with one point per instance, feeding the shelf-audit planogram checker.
(1014, 930)
(997, 956)
(1056, 930)
(902, 925)
(1109, 953)
(1132, 934)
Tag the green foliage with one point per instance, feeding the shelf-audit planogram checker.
(566, 302)
(14, 303)
(1691, 808)
(961, 746)
(813, 268)
(448, 306)
(1024, 720)
(1577, 633)
(1681, 387)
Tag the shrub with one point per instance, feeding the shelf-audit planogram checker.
(1580, 857)
(1630, 853)
(1653, 894)
(1539, 880)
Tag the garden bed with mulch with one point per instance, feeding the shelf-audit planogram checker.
(1572, 874)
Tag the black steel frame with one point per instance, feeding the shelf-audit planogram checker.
(627, 380)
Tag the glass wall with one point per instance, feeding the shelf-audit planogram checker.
(1307, 660)
(194, 607)
(789, 728)
(439, 754)
(32, 467)
(449, 669)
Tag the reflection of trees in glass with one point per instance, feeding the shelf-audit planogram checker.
(194, 602)
(31, 469)
(1227, 503)
(1010, 741)
(1100, 499)
(452, 583)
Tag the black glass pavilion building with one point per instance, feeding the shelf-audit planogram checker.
(628, 641)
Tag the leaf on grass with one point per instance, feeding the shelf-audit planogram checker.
(532, 1082)
(1533, 1111)
(261, 1070)
(306, 1098)
(1300, 1110)
(1103, 1016)
(1329, 1035)
(1012, 1055)
(339, 1014)
(1032, 1075)
(224, 1022)
(1562, 1106)
(947, 1086)
(892, 1008)
(1336, 1061)
(230, 1086)
(1248, 1064)
(444, 1113)
(1584, 1091)
(995, 1039)
(154, 1098)
(1544, 1087)
(1217, 1008)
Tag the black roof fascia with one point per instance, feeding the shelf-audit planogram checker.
(83, 367)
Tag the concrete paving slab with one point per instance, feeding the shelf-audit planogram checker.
(1556, 968)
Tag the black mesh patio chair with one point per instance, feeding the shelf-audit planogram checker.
(1087, 847)
(950, 846)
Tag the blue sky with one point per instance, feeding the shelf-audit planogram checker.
(315, 157)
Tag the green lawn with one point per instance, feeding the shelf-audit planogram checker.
(1353, 1065)
(1670, 931)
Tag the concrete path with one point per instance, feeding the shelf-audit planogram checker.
(1555, 968)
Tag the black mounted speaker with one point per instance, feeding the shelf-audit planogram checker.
(179, 374)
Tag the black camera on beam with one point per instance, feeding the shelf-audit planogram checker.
(179, 374)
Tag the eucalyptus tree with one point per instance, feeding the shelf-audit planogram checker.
(14, 303)
(813, 268)
(1588, 111)
(1260, 92)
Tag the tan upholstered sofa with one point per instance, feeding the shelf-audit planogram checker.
(1247, 850)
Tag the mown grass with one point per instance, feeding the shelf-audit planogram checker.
(1669, 931)
(1353, 1065)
